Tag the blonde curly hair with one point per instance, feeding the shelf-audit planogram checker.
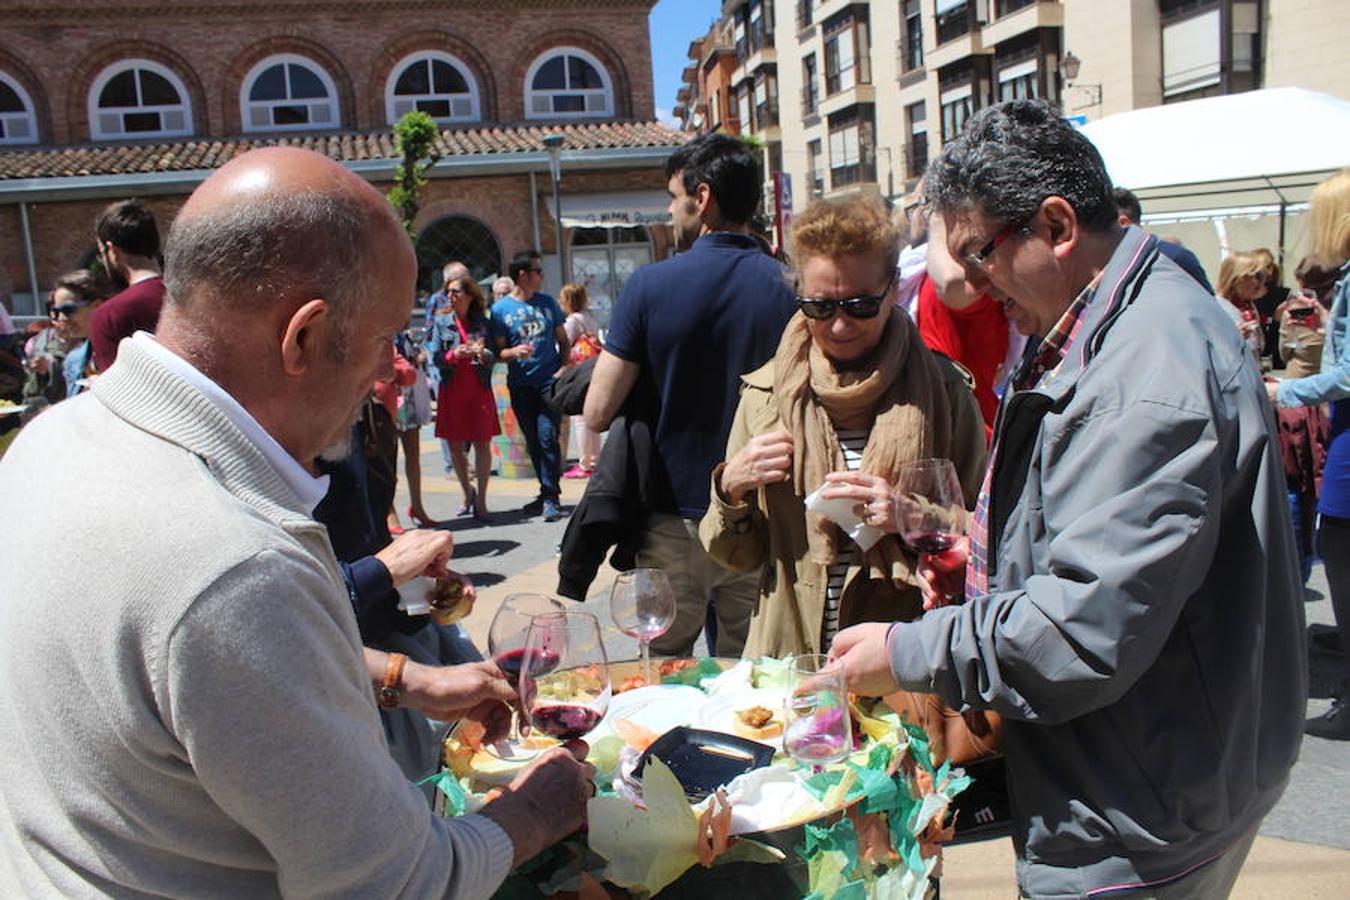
(856, 225)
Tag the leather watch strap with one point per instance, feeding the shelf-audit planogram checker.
(391, 689)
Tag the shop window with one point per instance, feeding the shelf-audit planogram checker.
(436, 84)
(138, 98)
(456, 238)
(289, 93)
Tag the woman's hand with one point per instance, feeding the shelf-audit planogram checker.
(872, 493)
(767, 459)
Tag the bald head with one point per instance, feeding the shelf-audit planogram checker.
(278, 225)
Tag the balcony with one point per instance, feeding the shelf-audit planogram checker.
(971, 44)
(859, 93)
(830, 7)
(1021, 20)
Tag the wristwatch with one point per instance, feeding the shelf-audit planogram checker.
(391, 689)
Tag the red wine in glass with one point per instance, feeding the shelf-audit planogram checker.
(931, 541)
(566, 695)
(506, 645)
(565, 721)
(513, 661)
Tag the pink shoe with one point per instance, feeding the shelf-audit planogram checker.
(577, 472)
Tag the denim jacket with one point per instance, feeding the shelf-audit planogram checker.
(443, 337)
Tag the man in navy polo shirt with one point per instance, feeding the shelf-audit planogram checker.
(528, 328)
(695, 324)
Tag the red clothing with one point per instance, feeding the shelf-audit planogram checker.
(465, 407)
(976, 337)
(122, 315)
(387, 391)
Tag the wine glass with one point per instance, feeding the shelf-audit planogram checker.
(818, 730)
(642, 605)
(930, 510)
(564, 682)
(506, 645)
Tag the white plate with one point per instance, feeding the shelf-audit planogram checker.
(719, 713)
(12, 410)
(659, 707)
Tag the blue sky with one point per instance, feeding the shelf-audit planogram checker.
(674, 23)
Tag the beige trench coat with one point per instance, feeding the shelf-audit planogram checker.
(766, 533)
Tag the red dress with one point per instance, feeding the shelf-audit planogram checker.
(465, 407)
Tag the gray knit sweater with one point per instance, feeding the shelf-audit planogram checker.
(184, 710)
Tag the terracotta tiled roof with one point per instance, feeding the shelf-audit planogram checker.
(208, 153)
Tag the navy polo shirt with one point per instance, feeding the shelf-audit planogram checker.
(696, 323)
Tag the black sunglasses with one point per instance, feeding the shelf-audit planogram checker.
(864, 306)
(65, 309)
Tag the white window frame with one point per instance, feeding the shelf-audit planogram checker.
(184, 108)
(606, 92)
(246, 105)
(473, 96)
(28, 116)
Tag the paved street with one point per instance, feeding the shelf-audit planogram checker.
(1304, 849)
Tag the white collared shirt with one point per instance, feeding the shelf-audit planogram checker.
(307, 487)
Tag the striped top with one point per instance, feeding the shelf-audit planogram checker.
(851, 442)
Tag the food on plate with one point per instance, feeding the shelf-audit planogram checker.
(671, 666)
(448, 600)
(633, 682)
(639, 737)
(757, 723)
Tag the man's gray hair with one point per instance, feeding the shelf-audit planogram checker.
(245, 256)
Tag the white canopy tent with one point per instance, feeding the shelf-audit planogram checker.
(1228, 173)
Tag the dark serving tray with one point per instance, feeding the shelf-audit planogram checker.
(703, 761)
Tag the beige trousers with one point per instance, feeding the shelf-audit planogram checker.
(672, 544)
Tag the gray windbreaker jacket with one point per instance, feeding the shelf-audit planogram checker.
(1143, 634)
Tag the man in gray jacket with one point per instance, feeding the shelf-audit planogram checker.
(1132, 598)
(184, 707)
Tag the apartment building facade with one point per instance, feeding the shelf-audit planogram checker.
(853, 95)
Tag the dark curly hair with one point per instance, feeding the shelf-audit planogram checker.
(1012, 156)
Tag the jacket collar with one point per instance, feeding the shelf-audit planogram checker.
(147, 395)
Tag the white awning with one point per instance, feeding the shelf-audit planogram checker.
(617, 209)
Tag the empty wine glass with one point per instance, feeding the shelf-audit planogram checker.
(818, 730)
(506, 645)
(564, 681)
(930, 510)
(642, 605)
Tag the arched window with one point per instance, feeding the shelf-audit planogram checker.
(567, 83)
(18, 125)
(434, 83)
(461, 238)
(288, 93)
(138, 98)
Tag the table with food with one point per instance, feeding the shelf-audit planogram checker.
(703, 765)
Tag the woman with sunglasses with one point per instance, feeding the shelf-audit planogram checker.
(850, 396)
(59, 360)
(466, 411)
(1242, 279)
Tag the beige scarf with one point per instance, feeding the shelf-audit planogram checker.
(899, 395)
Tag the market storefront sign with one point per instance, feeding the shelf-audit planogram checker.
(617, 209)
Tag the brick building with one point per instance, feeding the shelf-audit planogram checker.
(116, 98)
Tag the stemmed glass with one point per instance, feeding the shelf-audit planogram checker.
(930, 510)
(642, 605)
(506, 644)
(818, 731)
(564, 682)
(930, 514)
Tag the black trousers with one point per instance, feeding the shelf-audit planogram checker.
(1333, 541)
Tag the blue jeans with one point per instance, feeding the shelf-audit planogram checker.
(539, 423)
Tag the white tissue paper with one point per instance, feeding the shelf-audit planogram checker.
(412, 596)
(841, 511)
(766, 798)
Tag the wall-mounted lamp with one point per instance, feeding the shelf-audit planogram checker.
(1068, 68)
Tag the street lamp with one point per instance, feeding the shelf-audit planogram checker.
(553, 143)
(1068, 67)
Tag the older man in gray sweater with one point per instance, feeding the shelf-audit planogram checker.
(184, 709)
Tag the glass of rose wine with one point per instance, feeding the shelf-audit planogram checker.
(642, 605)
(930, 512)
(818, 731)
(506, 644)
(564, 681)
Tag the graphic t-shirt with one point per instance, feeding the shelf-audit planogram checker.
(532, 322)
